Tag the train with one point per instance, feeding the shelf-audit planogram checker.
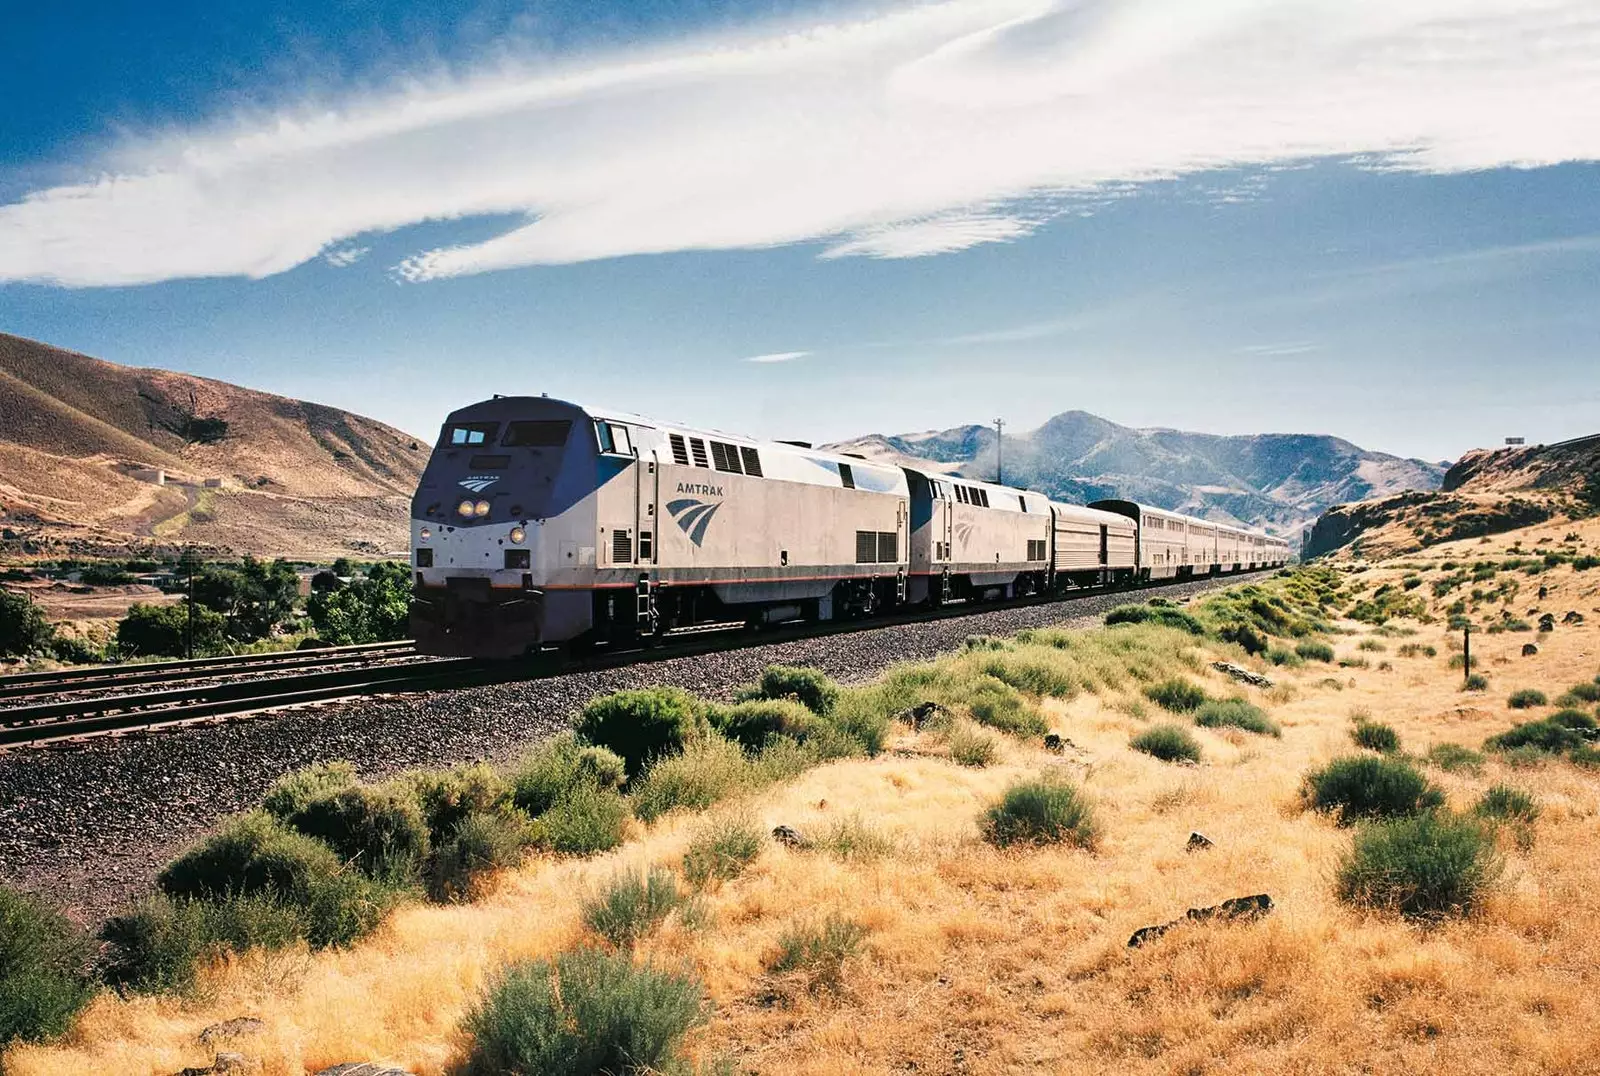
(541, 524)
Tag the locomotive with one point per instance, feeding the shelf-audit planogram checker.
(540, 523)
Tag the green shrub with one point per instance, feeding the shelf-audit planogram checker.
(379, 831)
(293, 792)
(42, 957)
(853, 839)
(1363, 786)
(856, 725)
(1454, 758)
(1376, 736)
(809, 687)
(721, 850)
(159, 944)
(1526, 699)
(252, 854)
(1371, 645)
(1236, 713)
(590, 1012)
(582, 822)
(478, 845)
(707, 771)
(1411, 650)
(1311, 650)
(24, 628)
(632, 906)
(642, 726)
(1428, 866)
(551, 771)
(1507, 804)
(1573, 719)
(971, 746)
(1169, 743)
(448, 797)
(1176, 694)
(1285, 657)
(997, 704)
(819, 950)
(164, 631)
(1247, 636)
(1586, 692)
(1476, 682)
(753, 723)
(1043, 810)
(985, 642)
(1030, 672)
(1546, 736)
(1586, 756)
(1164, 615)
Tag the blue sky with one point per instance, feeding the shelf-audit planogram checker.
(1319, 217)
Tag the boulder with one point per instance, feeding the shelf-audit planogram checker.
(1572, 617)
(231, 1029)
(920, 714)
(1198, 842)
(1529, 649)
(363, 1068)
(1547, 622)
(1237, 909)
(1241, 674)
(790, 836)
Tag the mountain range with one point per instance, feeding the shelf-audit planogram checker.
(1279, 482)
(97, 458)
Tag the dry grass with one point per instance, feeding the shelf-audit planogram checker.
(986, 961)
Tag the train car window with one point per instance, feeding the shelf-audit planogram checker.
(725, 458)
(848, 477)
(614, 438)
(536, 433)
(752, 461)
(680, 451)
(470, 433)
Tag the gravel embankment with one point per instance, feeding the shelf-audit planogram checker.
(89, 824)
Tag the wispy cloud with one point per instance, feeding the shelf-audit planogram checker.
(1293, 347)
(343, 256)
(778, 356)
(908, 132)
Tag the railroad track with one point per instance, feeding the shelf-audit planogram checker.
(220, 688)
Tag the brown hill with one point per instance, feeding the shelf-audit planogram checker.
(242, 470)
(1488, 491)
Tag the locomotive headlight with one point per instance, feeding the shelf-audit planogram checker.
(518, 535)
(465, 509)
(425, 533)
(480, 509)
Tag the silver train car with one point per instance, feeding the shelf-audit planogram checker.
(540, 523)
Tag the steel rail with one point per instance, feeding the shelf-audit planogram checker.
(88, 671)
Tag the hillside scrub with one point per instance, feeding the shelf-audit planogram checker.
(819, 951)
(587, 1012)
(1237, 713)
(720, 850)
(1043, 810)
(1177, 695)
(809, 687)
(1376, 736)
(1360, 787)
(641, 726)
(632, 905)
(42, 960)
(1169, 743)
(1428, 866)
(1526, 699)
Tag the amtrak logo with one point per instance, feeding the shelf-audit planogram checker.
(693, 516)
(963, 532)
(479, 482)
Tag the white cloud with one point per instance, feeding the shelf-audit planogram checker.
(911, 131)
(340, 257)
(778, 356)
(1292, 347)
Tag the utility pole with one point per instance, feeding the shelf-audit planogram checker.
(999, 452)
(188, 631)
(1466, 653)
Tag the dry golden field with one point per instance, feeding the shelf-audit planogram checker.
(985, 961)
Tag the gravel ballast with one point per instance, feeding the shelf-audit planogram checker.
(87, 825)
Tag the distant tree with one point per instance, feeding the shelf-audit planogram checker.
(254, 598)
(23, 627)
(344, 568)
(371, 610)
(325, 580)
(162, 630)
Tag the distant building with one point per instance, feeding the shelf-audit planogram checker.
(154, 475)
(213, 483)
(1516, 440)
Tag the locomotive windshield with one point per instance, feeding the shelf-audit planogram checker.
(470, 433)
(537, 433)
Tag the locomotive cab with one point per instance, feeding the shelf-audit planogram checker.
(483, 551)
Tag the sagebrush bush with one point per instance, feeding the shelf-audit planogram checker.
(1454, 758)
(1247, 636)
(819, 950)
(1312, 650)
(478, 845)
(1031, 670)
(753, 723)
(590, 1012)
(632, 905)
(1428, 866)
(1526, 699)
(1164, 615)
(1285, 657)
(707, 771)
(448, 797)
(642, 726)
(721, 849)
(1545, 736)
(1576, 720)
(252, 854)
(1236, 713)
(42, 961)
(160, 944)
(1358, 787)
(1169, 743)
(1585, 692)
(1476, 682)
(1507, 804)
(584, 821)
(970, 746)
(1042, 810)
(551, 771)
(853, 839)
(810, 687)
(378, 830)
(1177, 695)
(1376, 736)
(293, 791)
